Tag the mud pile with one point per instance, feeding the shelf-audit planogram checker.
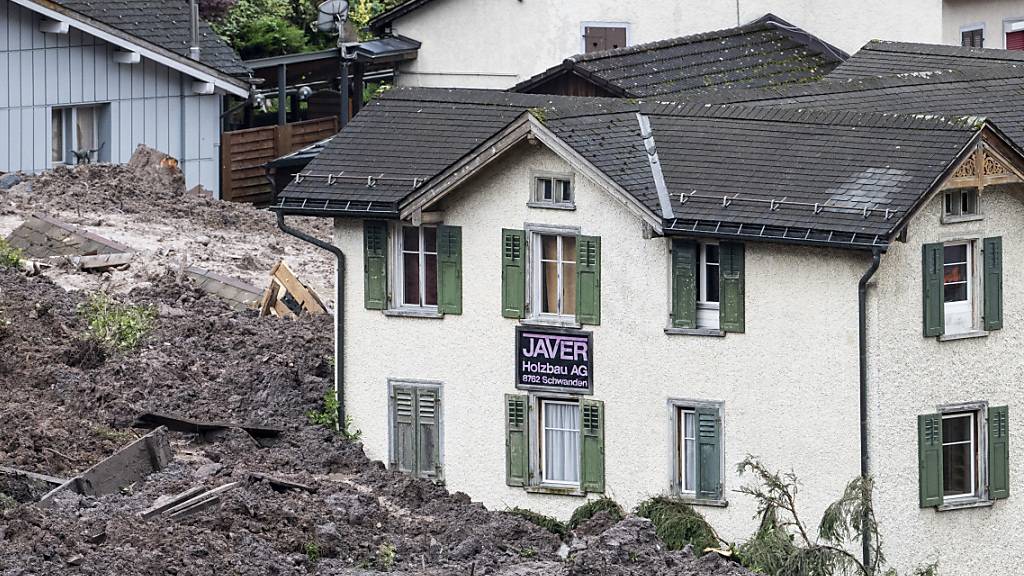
(66, 404)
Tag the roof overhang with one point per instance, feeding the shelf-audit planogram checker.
(525, 127)
(383, 20)
(197, 70)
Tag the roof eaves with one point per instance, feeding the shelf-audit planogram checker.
(378, 23)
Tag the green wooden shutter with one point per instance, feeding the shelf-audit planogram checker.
(428, 443)
(684, 284)
(513, 273)
(517, 440)
(403, 443)
(592, 451)
(449, 270)
(375, 264)
(931, 276)
(588, 280)
(999, 452)
(993, 282)
(929, 456)
(709, 454)
(732, 289)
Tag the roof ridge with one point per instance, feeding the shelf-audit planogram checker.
(670, 42)
(892, 46)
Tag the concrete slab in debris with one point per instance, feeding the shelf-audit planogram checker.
(236, 292)
(42, 236)
(132, 463)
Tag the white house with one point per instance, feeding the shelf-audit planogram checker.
(983, 23)
(499, 43)
(548, 299)
(96, 78)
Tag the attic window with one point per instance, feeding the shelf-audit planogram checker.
(961, 203)
(605, 37)
(552, 192)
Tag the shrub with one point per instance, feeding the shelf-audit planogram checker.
(327, 417)
(10, 256)
(312, 552)
(588, 510)
(116, 326)
(386, 554)
(678, 524)
(548, 523)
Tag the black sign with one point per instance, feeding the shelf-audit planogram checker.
(556, 361)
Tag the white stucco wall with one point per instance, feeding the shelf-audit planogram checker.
(991, 14)
(497, 43)
(789, 384)
(912, 375)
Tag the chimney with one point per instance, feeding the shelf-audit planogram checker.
(193, 50)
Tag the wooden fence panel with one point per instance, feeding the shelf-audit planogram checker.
(244, 152)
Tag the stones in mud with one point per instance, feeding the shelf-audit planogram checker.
(467, 548)
(208, 470)
(8, 181)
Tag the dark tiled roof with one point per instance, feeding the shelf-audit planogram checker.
(805, 172)
(881, 58)
(769, 51)
(164, 23)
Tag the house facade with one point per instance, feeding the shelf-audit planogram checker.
(499, 44)
(572, 298)
(87, 80)
(984, 23)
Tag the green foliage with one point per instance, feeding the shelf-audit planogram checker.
(261, 28)
(360, 13)
(373, 89)
(540, 113)
(782, 545)
(528, 552)
(7, 502)
(550, 524)
(10, 256)
(588, 510)
(312, 552)
(116, 326)
(386, 554)
(327, 417)
(678, 524)
(115, 436)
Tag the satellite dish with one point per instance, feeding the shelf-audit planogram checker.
(331, 14)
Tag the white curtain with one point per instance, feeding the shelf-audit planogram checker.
(689, 452)
(561, 442)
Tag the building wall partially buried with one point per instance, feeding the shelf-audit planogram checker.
(911, 375)
(487, 44)
(144, 103)
(788, 385)
(995, 17)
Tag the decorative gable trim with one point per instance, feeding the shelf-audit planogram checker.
(983, 167)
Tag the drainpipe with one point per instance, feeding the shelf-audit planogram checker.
(339, 307)
(862, 343)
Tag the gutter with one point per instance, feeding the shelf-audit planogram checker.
(862, 302)
(339, 309)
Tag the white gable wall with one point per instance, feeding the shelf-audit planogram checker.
(149, 103)
(498, 43)
(995, 16)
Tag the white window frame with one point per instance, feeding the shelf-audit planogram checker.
(677, 467)
(954, 312)
(535, 273)
(399, 268)
(958, 215)
(538, 201)
(973, 442)
(601, 24)
(682, 440)
(69, 139)
(541, 401)
(708, 313)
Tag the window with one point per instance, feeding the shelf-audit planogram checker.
(554, 444)
(560, 442)
(963, 455)
(418, 268)
(697, 453)
(708, 287)
(1015, 40)
(552, 192)
(957, 288)
(74, 135)
(415, 412)
(607, 37)
(960, 203)
(555, 276)
(974, 38)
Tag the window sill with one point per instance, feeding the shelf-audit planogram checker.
(556, 490)
(703, 501)
(551, 323)
(963, 335)
(964, 505)
(695, 332)
(414, 313)
(550, 205)
(959, 219)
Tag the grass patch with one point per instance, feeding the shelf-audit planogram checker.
(553, 525)
(678, 524)
(312, 552)
(588, 510)
(327, 416)
(114, 325)
(10, 257)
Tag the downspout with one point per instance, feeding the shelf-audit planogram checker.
(862, 343)
(339, 308)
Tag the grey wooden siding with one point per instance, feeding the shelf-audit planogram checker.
(149, 103)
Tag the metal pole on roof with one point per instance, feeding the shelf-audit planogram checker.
(343, 82)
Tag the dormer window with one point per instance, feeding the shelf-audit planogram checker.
(552, 192)
(960, 203)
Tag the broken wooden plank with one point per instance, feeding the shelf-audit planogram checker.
(236, 292)
(132, 463)
(33, 476)
(178, 424)
(165, 503)
(202, 500)
(279, 484)
(287, 296)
